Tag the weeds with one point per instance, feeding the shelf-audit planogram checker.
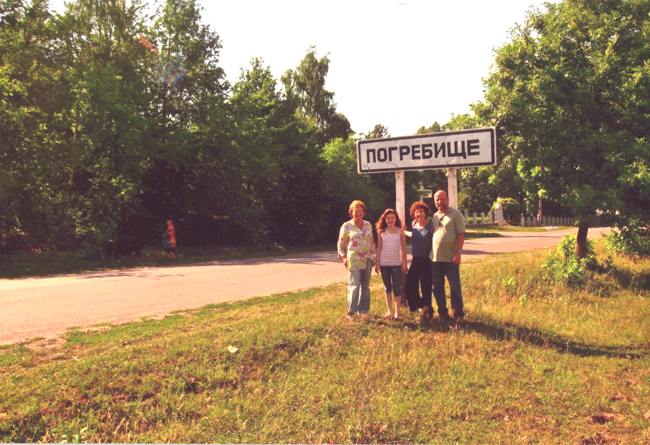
(633, 239)
(569, 365)
(562, 265)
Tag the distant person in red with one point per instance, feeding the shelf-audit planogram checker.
(170, 246)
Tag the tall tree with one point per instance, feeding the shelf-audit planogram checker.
(105, 114)
(570, 93)
(256, 121)
(281, 167)
(188, 92)
(316, 104)
(33, 169)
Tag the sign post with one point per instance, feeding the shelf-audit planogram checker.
(449, 150)
(452, 187)
(400, 196)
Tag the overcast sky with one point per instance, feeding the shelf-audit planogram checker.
(399, 63)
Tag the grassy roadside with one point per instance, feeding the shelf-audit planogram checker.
(536, 363)
(43, 263)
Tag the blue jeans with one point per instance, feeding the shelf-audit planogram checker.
(392, 278)
(359, 290)
(440, 270)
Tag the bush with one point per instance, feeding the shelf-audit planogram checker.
(562, 266)
(511, 208)
(12, 240)
(633, 239)
(91, 252)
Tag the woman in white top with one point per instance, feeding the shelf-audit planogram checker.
(391, 258)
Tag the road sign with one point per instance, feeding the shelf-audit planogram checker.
(451, 149)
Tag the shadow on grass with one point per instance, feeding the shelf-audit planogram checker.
(628, 279)
(507, 331)
(432, 326)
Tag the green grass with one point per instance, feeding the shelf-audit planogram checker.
(536, 363)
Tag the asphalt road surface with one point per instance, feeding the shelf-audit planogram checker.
(47, 307)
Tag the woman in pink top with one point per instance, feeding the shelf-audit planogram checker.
(391, 258)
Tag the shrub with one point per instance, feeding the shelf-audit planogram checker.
(633, 239)
(511, 208)
(562, 265)
(91, 252)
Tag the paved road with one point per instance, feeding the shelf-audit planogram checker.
(47, 307)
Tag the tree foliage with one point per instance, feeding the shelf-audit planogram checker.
(569, 93)
(345, 185)
(315, 103)
(115, 121)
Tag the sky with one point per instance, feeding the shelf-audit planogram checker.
(399, 63)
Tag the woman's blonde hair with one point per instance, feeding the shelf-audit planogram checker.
(356, 204)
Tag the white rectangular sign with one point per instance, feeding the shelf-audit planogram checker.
(451, 149)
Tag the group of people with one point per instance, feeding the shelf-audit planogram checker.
(436, 255)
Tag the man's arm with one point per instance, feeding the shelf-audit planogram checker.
(460, 242)
(459, 246)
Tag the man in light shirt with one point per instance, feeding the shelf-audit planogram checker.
(448, 240)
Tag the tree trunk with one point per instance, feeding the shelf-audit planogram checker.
(581, 241)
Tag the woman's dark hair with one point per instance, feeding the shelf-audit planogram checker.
(382, 224)
(419, 206)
